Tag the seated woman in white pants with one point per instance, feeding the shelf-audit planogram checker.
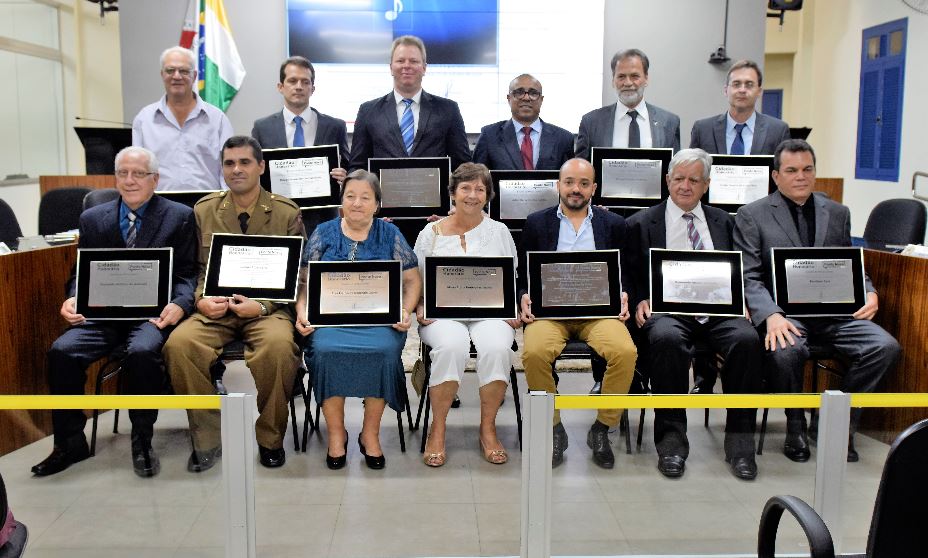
(467, 232)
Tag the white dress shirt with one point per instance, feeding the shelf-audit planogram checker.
(622, 120)
(677, 238)
(401, 108)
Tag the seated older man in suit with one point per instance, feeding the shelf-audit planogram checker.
(138, 219)
(630, 122)
(794, 217)
(684, 223)
(525, 141)
(741, 130)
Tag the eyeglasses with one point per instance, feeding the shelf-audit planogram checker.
(531, 94)
(138, 175)
(184, 72)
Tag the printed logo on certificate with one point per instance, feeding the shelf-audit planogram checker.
(469, 288)
(257, 266)
(123, 283)
(575, 285)
(819, 281)
(630, 177)
(520, 193)
(359, 293)
(696, 282)
(736, 180)
(302, 175)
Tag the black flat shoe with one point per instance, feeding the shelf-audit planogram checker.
(559, 445)
(671, 466)
(339, 462)
(852, 456)
(145, 462)
(796, 447)
(60, 459)
(598, 441)
(200, 461)
(373, 461)
(597, 388)
(744, 468)
(272, 458)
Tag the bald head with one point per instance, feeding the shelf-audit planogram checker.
(576, 185)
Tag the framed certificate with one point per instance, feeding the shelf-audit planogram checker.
(630, 177)
(123, 283)
(819, 281)
(185, 197)
(737, 180)
(413, 186)
(521, 193)
(360, 293)
(470, 288)
(256, 266)
(302, 174)
(575, 285)
(696, 282)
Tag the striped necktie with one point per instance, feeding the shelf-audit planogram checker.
(133, 232)
(408, 126)
(691, 232)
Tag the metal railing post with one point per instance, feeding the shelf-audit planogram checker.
(238, 474)
(831, 460)
(537, 445)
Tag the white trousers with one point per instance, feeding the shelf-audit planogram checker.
(450, 343)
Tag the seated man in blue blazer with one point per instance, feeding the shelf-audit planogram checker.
(408, 122)
(574, 224)
(138, 219)
(524, 142)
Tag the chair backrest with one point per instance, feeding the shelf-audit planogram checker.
(60, 209)
(901, 510)
(898, 221)
(9, 225)
(99, 197)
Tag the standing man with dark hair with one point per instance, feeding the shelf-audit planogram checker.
(630, 122)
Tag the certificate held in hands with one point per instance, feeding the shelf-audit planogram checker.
(819, 281)
(470, 288)
(123, 284)
(413, 186)
(302, 174)
(696, 282)
(256, 266)
(575, 285)
(360, 293)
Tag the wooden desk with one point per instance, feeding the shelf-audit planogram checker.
(94, 181)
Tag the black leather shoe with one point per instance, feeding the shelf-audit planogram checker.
(272, 458)
(60, 459)
(200, 461)
(744, 468)
(597, 388)
(373, 461)
(456, 402)
(598, 440)
(145, 462)
(852, 456)
(335, 463)
(671, 466)
(796, 447)
(560, 444)
(697, 390)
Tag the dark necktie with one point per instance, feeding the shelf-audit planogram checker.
(133, 232)
(298, 139)
(737, 146)
(408, 126)
(527, 149)
(634, 133)
(803, 226)
(243, 221)
(691, 232)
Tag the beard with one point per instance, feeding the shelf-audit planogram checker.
(631, 98)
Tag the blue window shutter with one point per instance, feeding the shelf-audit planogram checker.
(869, 93)
(889, 131)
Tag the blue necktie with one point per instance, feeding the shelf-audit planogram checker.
(132, 233)
(737, 146)
(298, 139)
(407, 126)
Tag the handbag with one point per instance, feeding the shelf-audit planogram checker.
(417, 377)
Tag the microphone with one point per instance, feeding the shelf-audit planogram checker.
(103, 121)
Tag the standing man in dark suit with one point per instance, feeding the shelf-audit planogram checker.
(684, 223)
(742, 130)
(408, 122)
(574, 224)
(630, 122)
(138, 219)
(524, 142)
(794, 217)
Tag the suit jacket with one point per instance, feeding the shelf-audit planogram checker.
(767, 223)
(648, 228)
(166, 224)
(271, 133)
(541, 229)
(498, 148)
(597, 127)
(709, 134)
(440, 132)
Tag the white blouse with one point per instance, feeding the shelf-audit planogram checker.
(489, 238)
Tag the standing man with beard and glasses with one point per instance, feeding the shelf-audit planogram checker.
(185, 132)
(524, 142)
(630, 122)
(138, 219)
(574, 224)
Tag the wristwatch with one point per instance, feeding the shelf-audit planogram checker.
(264, 311)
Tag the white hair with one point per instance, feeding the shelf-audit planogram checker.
(137, 150)
(183, 51)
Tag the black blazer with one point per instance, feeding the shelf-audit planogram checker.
(271, 133)
(440, 132)
(708, 134)
(498, 148)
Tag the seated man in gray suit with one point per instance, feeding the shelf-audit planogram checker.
(742, 130)
(630, 122)
(794, 217)
(524, 142)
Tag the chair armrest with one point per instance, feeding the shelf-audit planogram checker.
(820, 543)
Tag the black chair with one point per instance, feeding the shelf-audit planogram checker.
(897, 222)
(60, 209)
(99, 197)
(899, 514)
(9, 225)
(111, 368)
(16, 546)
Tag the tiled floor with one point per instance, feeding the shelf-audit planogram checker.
(466, 508)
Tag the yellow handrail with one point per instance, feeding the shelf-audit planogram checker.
(733, 401)
(19, 402)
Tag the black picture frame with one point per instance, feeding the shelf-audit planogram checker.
(330, 152)
(657, 257)
(534, 261)
(778, 258)
(740, 161)
(294, 246)
(354, 319)
(185, 197)
(443, 164)
(509, 310)
(85, 256)
(598, 154)
(505, 175)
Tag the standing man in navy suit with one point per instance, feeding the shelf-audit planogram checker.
(408, 122)
(137, 219)
(524, 142)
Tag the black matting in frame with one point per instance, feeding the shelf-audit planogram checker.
(500, 178)
(579, 310)
(442, 164)
(294, 246)
(508, 311)
(314, 294)
(185, 197)
(740, 161)
(295, 155)
(659, 305)
(779, 257)
(87, 256)
(599, 154)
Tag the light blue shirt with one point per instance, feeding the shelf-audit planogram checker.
(536, 138)
(747, 135)
(124, 219)
(570, 240)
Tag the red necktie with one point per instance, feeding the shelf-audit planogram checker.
(527, 148)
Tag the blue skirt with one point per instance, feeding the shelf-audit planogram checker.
(358, 362)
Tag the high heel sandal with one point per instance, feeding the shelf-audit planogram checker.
(434, 459)
(340, 461)
(373, 462)
(496, 457)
